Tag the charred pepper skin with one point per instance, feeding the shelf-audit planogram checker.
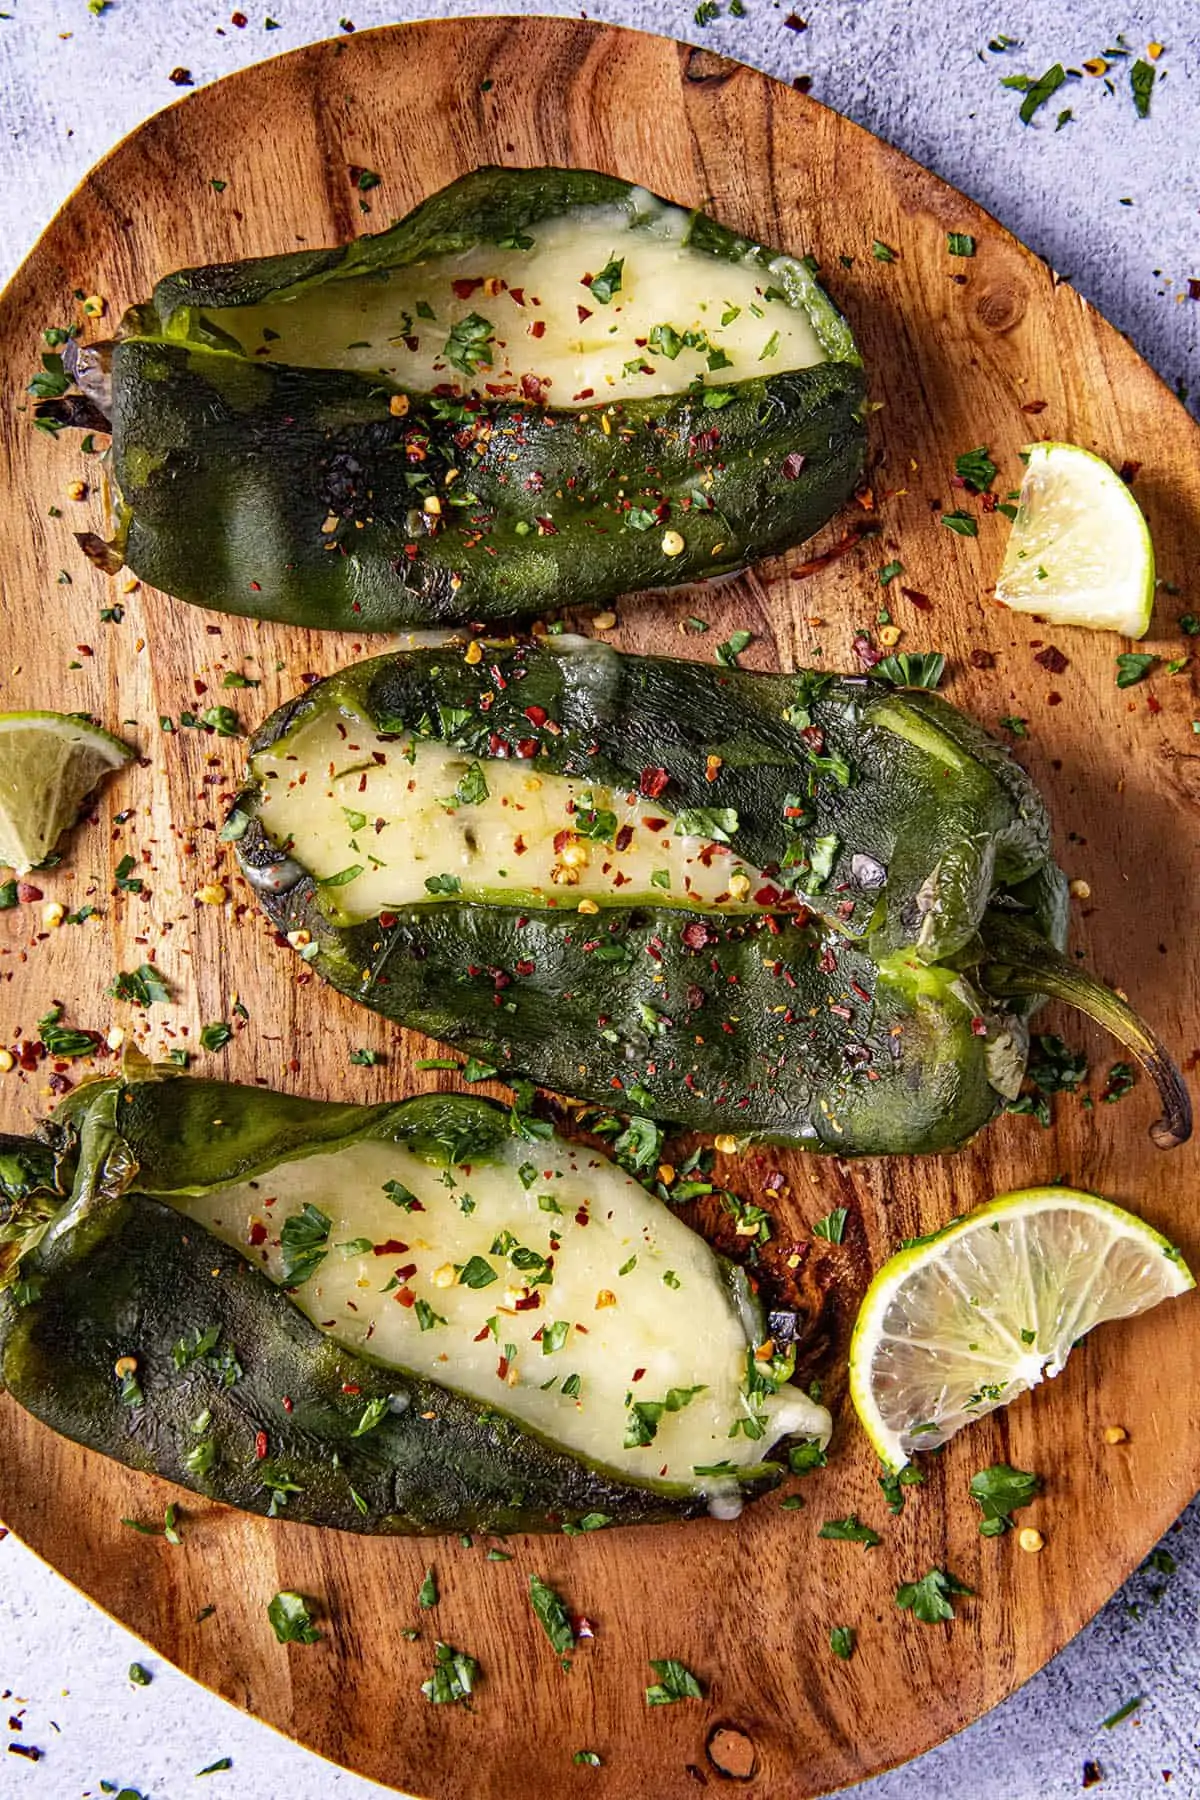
(113, 1269)
(880, 1010)
(286, 492)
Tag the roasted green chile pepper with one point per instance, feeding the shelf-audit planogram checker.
(805, 908)
(402, 1318)
(540, 383)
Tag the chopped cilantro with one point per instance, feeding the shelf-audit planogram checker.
(291, 1619)
(675, 1682)
(931, 1598)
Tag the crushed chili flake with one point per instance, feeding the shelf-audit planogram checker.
(1052, 660)
(792, 465)
(916, 598)
(260, 1445)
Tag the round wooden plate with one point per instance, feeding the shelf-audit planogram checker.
(986, 350)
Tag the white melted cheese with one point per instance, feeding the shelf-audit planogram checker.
(346, 799)
(544, 326)
(636, 1308)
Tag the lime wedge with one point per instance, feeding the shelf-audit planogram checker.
(962, 1322)
(49, 763)
(1079, 552)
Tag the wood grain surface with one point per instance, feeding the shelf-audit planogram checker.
(988, 350)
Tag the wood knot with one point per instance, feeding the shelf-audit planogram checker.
(705, 67)
(732, 1753)
(1000, 308)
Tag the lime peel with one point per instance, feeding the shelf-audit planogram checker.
(963, 1321)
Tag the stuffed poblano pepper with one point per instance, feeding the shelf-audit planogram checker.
(541, 382)
(805, 908)
(400, 1318)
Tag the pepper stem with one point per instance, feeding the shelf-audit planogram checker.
(1018, 960)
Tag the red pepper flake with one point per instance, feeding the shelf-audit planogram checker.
(768, 896)
(1034, 406)
(1054, 698)
(546, 526)
(581, 1217)
(982, 659)
(828, 961)
(239, 19)
(623, 838)
(351, 1387)
(846, 543)
(794, 22)
(529, 1304)
(502, 1368)
(697, 936)
(793, 462)
(536, 715)
(407, 1272)
(406, 1297)
(393, 1247)
(533, 387)
(538, 328)
(978, 1027)
(526, 966)
(1052, 660)
(482, 1336)
(289, 1405)
(27, 892)
(1128, 472)
(260, 1445)
(387, 920)
(585, 312)
(258, 1232)
(916, 598)
(527, 747)
(1153, 703)
(866, 651)
(465, 286)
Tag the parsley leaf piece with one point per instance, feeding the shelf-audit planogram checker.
(143, 985)
(373, 1414)
(889, 572)
(1141, 80)
(716, 822)
(841, 1641)
(603, 286)
(833, 1225)
(728, 652)
(804, 1458)
(960, 243)
(964, 523)
(912, 668)
(469, 345)
(850, 1531)
(291, 1620)
(552, 1615)
(426, 1317)
(883, 252)
(441, 884)
(428, 1595)
(305, 1240)
(675, 1682)
(1133, 666)
(216, 1036)
(931, 1598)
(976, 468)
(1000, 1489)
(1038, 92)
(455, 1674)
(893, 1485)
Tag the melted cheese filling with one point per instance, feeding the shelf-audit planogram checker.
(385, 822)
(529, 323)
(547, 1283)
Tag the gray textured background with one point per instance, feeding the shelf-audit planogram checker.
(921, 76)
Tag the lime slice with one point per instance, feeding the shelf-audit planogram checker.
(49, 762)
(962, 1322)
(1079, 552)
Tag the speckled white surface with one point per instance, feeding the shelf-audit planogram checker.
(918, 74)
